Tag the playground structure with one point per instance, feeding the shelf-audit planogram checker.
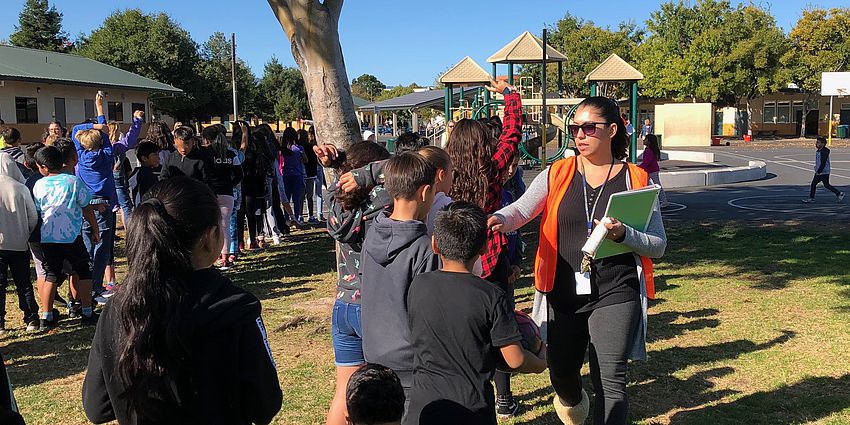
(547, 113)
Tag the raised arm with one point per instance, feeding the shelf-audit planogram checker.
(511, 126)
(525, 209)
(98, 103)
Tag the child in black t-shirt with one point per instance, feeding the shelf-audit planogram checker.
(461, 326)
(143, 177)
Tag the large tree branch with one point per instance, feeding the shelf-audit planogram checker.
(284, 15)
(334, 8)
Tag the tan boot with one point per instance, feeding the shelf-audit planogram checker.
(572, 415)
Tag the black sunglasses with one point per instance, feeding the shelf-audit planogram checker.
(589, 128)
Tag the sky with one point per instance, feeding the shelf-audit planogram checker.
(398, 41)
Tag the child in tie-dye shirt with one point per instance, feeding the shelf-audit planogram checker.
(62, 200)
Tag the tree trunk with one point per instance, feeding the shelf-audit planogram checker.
(312, 29)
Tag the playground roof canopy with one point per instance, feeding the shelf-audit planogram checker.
(614, 69)
(526, 48)
(425, 99)
(467, 71)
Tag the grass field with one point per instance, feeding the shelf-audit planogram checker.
(751, 325)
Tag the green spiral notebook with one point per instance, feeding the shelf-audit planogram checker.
(634, 209)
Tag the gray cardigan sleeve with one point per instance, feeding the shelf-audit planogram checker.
(651, 243)
(528, 206)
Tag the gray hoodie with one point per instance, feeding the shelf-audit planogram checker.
(396, 252)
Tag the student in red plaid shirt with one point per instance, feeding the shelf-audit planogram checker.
(480, 166)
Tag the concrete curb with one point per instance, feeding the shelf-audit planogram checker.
(705, 157)
(756, 170)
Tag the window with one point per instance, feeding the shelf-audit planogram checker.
(88, 105)
(115, 111)
(769, 114)
(798, 111)
(26, 110)
(59, 110)
(783, 112)
(139, 107)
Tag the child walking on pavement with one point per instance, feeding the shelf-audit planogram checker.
(822, 168)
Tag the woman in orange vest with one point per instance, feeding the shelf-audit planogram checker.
(600, 304)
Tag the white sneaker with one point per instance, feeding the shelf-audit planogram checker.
(276, 240)
(808, 200)
(841, 197)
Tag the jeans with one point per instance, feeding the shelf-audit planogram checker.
(122, 190)
(320, 194)
(347, 334)
(608, 332)
(19, 264)
(294, 186)
(235, 234)
(822, 178)
(100, 253)
(310, 189)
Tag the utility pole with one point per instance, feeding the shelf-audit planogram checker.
(233, 75)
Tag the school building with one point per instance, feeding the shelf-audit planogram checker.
(37, 87)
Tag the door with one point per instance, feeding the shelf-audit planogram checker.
(59, 110)
(798, 122)
(812, 122)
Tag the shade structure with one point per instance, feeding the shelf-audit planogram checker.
(614, 69)
(427, 99)
(466, 72)
(526, 48)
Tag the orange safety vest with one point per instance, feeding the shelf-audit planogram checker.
(560, 176)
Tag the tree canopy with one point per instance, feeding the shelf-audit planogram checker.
(367, 86)
(283, 92)
(214, 69)
(40, 27)
(820, 42)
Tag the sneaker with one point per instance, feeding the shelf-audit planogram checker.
(32, 325)
(312, 220)
(506, 406)
(110, 286)
(275, 240)
(231, 258)
(808, 200)
(2, 330)
(74, 309)
(89, 320)
(100, 297)
(46, 325)
(841, 197)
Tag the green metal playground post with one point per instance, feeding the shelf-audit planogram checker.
(510, 73)
(460, 102)
(593, 88)
(448, 102)
(633, 117)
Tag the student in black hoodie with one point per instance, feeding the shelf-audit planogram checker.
(188, 159)
(179, 342)
(397, 250)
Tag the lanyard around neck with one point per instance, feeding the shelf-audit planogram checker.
(588, 212)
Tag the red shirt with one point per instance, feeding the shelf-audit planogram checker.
(502, 158)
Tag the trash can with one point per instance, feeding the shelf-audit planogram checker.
(842, 131)
(391, 145)
(715, 140)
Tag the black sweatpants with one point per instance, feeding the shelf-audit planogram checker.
(19, 264)
(822, 178)
(255, 210)
(609, 332)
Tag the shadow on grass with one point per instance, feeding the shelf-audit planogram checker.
(656, 391)
(663, 327)
(806, 401)
(39, 358)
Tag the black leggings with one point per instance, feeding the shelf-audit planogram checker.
(499, 276)
(279, 216)
(255, 207)
(825, 179)
(609, 331)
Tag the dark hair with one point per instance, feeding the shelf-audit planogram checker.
(51, 158)
(67, 148)
(438, 157)
(609, 110)
(185, 133)
(820, 139)
(460, 230)
(159, 133)
(404, 174)
(218, 141)
(11, 135)
(358, 155)
(256, 163)
(154, 357)
(64, 130)
(29, 155)
(374, 395)
(236, 134)
(146, 148)
(408, 142)
(471, 151)
(302, 137)
(651, 142)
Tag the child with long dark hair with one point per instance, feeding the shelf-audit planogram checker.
(649, 163)
(294, 174)
(180, 343)
(255, 169)
(227, 173)
(480, 164)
